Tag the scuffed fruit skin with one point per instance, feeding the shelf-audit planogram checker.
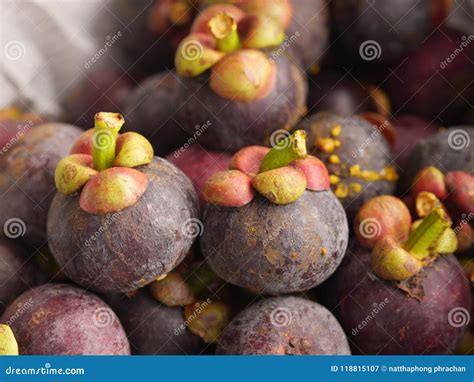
(149, 110)
(199, 164)
(154, 328)
(27, 177)
(284, 326)
(273, 248)
(59, 319)
(232, 124)
(125, 250)
(401, 324)
(17, 274)
(360, 144)
(449, 150)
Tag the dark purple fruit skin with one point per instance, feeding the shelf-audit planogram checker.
(426, 84)
(17, 274)
(141, 51)
(436, 151)
(101, 90)
(122, 251)
(234, 124)
(409, 130)
(416, 327)
(154, 328)
(338, 93)
(310, 28)
(360, 145)
(284, 326)
(150, 109)
(27, 177)
(273, 248)
(59, 319)
(357, 21)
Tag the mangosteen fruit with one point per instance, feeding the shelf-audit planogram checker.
(284, 326)
(102, 89)
(449, 150)
(233, 83)
(154, 328)
(17, 273)
(121, 217)
(337, 92)
(150, 110)
(27, 179)
(357, 156)
(405, 296)
(385, 31)
(436, 80)
(60, 319)
(272, 224)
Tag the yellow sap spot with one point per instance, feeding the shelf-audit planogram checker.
(324, 251)
(326, 145)
(342, 190)
(334, 159)
(390, 173)
(355, 187)
(333, 179)
(336, 131)
(314, 69)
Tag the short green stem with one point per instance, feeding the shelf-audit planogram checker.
(423, 237)
(285, 151)
(107, 126)
(224, 29)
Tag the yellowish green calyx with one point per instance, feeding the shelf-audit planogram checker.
(224, 29)
(133, 150)
(8, 344)
(285, 151)
(72, 172)
(391, 262)
(283, 185)
(263, 32)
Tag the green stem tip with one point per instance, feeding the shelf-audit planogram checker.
(107, 126)
(423, 237)
(224, 29)
(285, 151)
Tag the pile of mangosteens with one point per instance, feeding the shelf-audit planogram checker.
(313, 192)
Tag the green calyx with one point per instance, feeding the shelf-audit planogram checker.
(8, 344)
(107, 126)
(285, 151)
(429, 237)
(224, 29)
(226, 32)
(102, 167)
